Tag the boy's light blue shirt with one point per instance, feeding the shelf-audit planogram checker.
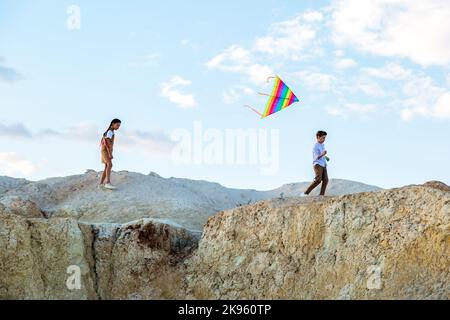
(317, 151)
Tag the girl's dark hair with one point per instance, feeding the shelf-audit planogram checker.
(321, 134)
(110, 126)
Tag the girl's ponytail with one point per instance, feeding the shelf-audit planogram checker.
(110, 126)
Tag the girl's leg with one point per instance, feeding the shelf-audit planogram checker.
(108, 172)
(103, 176)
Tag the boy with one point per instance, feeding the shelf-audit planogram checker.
(320, 165)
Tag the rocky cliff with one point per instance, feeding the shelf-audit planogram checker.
(392, 244)
(138, 260)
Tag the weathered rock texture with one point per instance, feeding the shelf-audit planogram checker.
(35, 254)
(392, 244)
(139, 260)
(386, 245)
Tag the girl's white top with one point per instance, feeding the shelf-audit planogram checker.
(110, 134)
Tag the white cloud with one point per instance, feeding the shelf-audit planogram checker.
(152, 59)
(292, 39)
(82, 132)
(313, 16)
(418, 30)
(289, 39)
(8, 74)
(339, 53)
(16, 130)
(236, 59)
(232, 95)
(189, 43)
(346, 63)
(410, 113)
(391, 71)
(232, 59)
(360, 108)
(371, 89)
(316, 80)
(390, 30)
(171, 91)
(334, 111)
(441, 108)
(349, 108)
(154, 142)
(424, 99)
(438, 108)
(421, 86)
(12, 164)
(258, 73)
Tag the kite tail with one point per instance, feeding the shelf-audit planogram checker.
(255, 111)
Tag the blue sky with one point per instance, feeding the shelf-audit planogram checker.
(374, 74)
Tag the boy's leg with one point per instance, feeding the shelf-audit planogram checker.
(318, 170)
(323, 189)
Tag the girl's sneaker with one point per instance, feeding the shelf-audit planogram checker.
(109, 186)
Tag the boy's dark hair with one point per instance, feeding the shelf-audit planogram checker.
(321, 134)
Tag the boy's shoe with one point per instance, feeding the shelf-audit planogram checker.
(303, 195)
(109, 186)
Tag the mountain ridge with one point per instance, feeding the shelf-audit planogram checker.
(187, 202)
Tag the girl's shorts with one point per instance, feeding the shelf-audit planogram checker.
(105, 157)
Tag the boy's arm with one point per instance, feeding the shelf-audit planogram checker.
(317, 154)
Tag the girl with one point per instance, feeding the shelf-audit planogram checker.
(107, 146)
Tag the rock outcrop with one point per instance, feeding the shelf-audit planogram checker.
(392, 244)
(185, 202)
(138, 260)
(35, 255)
(385, 245)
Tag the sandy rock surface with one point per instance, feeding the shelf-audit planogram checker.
(181, 201)
(393, 244)
(383, 244)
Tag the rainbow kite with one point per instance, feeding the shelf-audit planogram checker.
(280, 98)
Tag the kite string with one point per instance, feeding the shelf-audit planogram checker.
(257, 112)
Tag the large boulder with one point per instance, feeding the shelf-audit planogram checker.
(35, 256)
(138, 260)
(385, 245)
